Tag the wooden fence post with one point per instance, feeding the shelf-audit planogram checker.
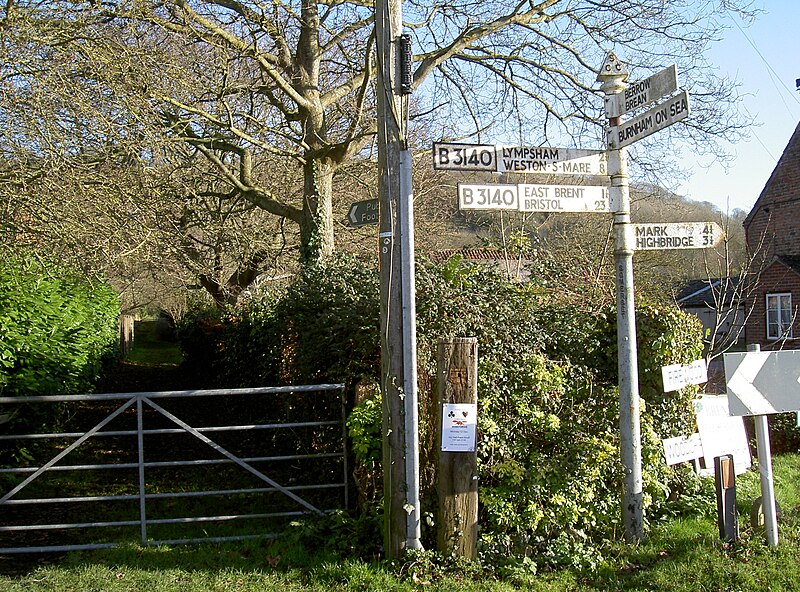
(126, 334)
(457, 483)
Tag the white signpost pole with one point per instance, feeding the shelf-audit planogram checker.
(612, 75)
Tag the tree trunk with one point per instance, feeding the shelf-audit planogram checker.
(316, 225)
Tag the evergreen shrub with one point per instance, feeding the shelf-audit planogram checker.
(56, 328)
(550, 475)
(321, 329)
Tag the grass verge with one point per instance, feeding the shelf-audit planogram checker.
(680, 554)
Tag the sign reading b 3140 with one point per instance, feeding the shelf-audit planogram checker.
(464, 157)
(487, 197)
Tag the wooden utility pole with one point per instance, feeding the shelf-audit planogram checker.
(457, 473)
(397, 325)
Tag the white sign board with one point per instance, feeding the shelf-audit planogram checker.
(459, 427)
(642, 93)
(521, 159)
(677, 376)
(487, 197)
(659, 117)
(761, 383)
(464, 157)
(720, 433)
(563, 198)
(682, 449)
(527, 197)
(678, 235)
(558, 161)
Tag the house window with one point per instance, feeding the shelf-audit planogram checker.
(779, 316)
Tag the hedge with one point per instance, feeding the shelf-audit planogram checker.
(56, 328)
(549, 468)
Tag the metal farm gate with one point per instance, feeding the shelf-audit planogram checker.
(167, 467)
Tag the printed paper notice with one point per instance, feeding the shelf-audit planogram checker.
(459, 427)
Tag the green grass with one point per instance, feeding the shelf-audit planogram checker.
(152, 347)
(679, 554)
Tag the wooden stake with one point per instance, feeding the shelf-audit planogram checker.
(457, 483)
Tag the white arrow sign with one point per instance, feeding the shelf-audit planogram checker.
(642, 93)
(659, 117)
(563, 198)
(761, 383)
(679, 235)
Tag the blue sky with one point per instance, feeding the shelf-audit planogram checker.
(765, 58)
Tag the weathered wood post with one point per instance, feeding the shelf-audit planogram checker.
(126, 335)
(457, 483)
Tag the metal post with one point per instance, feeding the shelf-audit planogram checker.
(613, 76)
(142, 491)
(345, 464)
(412, 508)
(764, 451)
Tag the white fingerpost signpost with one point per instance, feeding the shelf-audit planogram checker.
(529, 197)
(677, 235)
(448, 156)
(622, 99)
(642, 93)
(612, 76)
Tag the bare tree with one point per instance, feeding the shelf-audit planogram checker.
(732, 284)
(244, 82)
(88, 175)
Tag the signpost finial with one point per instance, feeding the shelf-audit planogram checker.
(612, 74)
(612, 68)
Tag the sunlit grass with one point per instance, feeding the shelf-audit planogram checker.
(150, 348)
(682, 554)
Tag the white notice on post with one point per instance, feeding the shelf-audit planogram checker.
(459, 427)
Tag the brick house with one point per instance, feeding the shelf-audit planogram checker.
(716, 302)
(772, 230)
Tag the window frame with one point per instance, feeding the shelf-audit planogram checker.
(780, 312)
